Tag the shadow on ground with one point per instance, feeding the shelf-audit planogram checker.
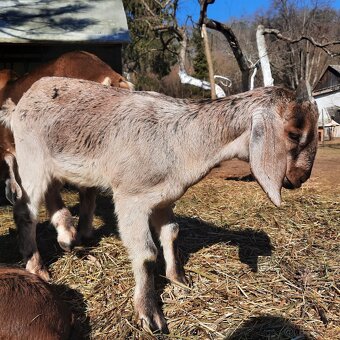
(247, 178)
(196, 234)
(75, 301)
(268, 327)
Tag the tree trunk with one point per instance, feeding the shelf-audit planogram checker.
(263, 55)
(186, 79)
(242, 61)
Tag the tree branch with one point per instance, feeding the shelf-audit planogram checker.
(203, 11)
(323, 46)
(242, 61)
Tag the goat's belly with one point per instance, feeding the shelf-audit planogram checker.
(80, 172)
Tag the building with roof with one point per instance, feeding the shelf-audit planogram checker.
(35, 31)
(327, 95)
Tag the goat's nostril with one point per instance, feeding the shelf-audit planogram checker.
(288, 184)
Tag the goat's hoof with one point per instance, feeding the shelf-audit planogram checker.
(66, 246)
(67, 239)
(180, 279)
(85, 235)
(44, 275)
(41, 272)
(155, 323)
(151, 318)
(13, 191)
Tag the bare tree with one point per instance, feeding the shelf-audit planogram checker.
(302, 41)
(244, 64)
(264, 59)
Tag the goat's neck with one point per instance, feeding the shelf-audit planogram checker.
(218, 131)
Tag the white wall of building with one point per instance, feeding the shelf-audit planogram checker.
(325, 101)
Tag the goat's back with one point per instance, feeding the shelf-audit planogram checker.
(30, 308)
(83, 65)
(62, 119)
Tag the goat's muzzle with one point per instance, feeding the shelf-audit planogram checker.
(287, 184)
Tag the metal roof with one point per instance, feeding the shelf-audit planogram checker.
(97, 21)
(335, 67)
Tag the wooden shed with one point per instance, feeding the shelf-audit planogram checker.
(327, 95)
(35, 31)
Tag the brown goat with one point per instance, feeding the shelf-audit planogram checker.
(30, 308)
(6, 136)
(76, 64)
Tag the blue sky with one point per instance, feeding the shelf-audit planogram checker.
(225, 10)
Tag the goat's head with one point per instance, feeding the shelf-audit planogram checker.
(283, 144)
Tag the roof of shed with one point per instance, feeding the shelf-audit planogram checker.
(335, 68)
(27, 21)
(321, 89)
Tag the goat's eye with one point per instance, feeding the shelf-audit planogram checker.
(295, 137)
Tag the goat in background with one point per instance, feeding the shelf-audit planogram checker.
(77, 64)
(31, 309)
(149, 149)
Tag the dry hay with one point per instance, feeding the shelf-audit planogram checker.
(257, 272)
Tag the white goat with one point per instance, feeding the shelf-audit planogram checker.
(149, 149)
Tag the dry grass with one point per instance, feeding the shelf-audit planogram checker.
(258, 272)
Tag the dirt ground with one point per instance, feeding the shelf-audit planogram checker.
(326, 170)
(257, 271)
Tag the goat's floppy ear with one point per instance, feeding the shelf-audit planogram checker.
(267, 152)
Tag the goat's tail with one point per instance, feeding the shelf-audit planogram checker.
(6, 112)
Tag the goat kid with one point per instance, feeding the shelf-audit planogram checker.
(77, 64)
(149, 149)
(31, 309)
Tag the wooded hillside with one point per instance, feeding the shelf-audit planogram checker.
(301, 42)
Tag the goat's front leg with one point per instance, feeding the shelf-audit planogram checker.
(163, 221)
(87, 205)
(136, 236)
(60, 216)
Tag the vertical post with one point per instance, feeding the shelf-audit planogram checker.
(209, 60)
(323, 126)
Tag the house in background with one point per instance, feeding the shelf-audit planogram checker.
(327, 96)
(35, 31)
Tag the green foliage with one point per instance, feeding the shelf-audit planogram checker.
(200, 63)
(146, 52)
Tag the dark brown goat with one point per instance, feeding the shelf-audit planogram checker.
(31, 309)
(77, 64)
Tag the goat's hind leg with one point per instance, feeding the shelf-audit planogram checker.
(87, 205)
(60, 216)
(163, 221)
(25, 212)
(133, 220)
(13, 189)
